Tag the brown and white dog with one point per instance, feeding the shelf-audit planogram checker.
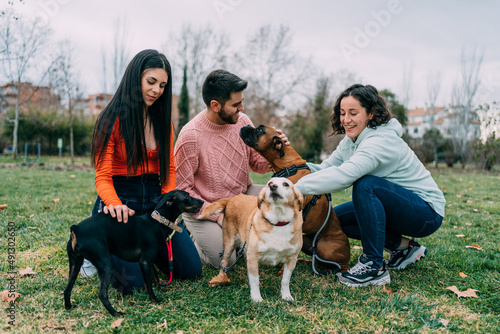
(269, 228)
(333, 244)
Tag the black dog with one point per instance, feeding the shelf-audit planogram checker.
(139, 240)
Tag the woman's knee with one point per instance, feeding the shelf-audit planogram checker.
(365, 182)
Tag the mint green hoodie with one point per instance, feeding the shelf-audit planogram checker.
(380, 152)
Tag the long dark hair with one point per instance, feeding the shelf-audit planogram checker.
(127, 105)
(370, 99)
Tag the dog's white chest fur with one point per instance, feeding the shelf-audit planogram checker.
(275, 247)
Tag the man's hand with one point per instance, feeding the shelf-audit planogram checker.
(282, 136)
(120, 212)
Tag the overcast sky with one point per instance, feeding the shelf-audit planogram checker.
(378, 40)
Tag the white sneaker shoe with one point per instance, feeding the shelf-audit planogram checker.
(87, 269)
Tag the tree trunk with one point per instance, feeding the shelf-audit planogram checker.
(16, 121)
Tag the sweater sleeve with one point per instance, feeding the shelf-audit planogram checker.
(172, 174)
(104, 172)
(367, 158)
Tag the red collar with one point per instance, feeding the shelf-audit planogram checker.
(278, 223)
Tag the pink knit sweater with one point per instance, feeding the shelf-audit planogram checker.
(212, 161)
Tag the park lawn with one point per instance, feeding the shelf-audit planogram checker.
(42, 204)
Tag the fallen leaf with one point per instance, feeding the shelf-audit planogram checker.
(56, 200)
(444, 322)
(474, 246)
(470, 188)
(3, 206)
(8, 296)
(26, 271)
(460, 235)
(459, 196)
(386, 290)
(72, 176)
(357, 247)
(47, 207)
(469, 201)
(475, 210)
(464, 294)
(462, 275)
(34, 228)
(163, 325)
(469, 224)
(117, 323)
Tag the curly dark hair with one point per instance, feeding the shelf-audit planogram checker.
(370, 99)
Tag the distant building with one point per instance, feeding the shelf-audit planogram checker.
(92, 105)
(31, 96)
(444, 119)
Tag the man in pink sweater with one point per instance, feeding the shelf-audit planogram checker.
(212, 161)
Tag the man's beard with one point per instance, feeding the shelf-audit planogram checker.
(228, 119)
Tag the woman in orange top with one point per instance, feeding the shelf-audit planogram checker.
(132, 152)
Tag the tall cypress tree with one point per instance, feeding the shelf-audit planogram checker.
(183, 104)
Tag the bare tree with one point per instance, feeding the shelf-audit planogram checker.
(200, 50)
(24, 42)
(119, 56)
(433, 88)
(464, 92)
(274, 71)
(406, 84)
(65, 79)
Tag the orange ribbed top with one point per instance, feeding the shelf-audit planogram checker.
(114, 162)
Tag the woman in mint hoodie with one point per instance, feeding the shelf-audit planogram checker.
(393, 196)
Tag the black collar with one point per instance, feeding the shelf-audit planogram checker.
(290, 171)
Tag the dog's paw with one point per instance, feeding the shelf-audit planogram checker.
(287, 297)
(220, 279)
(256, 297)
(70, 306)
(156, 300)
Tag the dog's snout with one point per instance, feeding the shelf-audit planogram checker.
(272, 186)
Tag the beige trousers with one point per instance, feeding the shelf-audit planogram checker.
(207, 234)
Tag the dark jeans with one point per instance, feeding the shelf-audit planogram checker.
(381, 212)
(138, 193)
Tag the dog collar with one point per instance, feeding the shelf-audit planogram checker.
(162, 220)
(278, 223)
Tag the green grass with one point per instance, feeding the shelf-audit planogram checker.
(420, 302)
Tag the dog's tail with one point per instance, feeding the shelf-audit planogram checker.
(214, 209)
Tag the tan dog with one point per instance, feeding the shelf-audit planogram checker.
(269, 227)
(333, 244)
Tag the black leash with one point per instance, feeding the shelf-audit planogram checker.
(315, 256)
(290, 171)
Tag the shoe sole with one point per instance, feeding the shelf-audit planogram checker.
(356, 285)
(417, 255)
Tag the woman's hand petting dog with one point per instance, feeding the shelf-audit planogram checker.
(120, 212)
(282, 136)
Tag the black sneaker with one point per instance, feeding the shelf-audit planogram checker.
(399, 259)
(364, 273)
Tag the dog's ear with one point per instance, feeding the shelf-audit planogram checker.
(163, 200)
(279, 146)
(261, 197)
(298, 196)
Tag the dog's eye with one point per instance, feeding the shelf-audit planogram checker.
(286, 184)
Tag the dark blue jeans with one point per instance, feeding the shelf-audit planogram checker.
(381, 212)
(138, 193)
